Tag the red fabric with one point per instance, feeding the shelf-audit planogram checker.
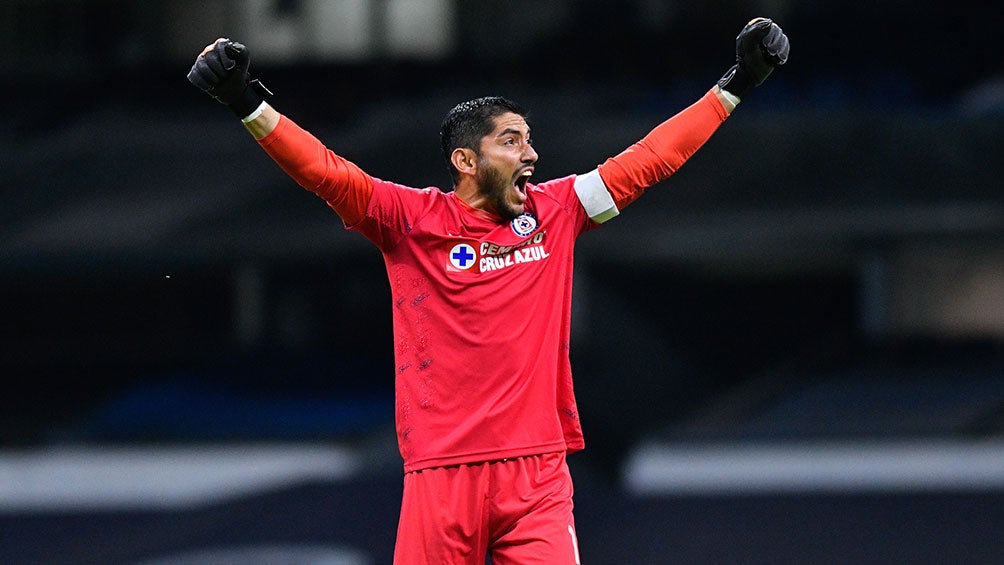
(482, 319)
(481, 351)
(660, 153)
(519, 511)
(343, 185)
(482, 309)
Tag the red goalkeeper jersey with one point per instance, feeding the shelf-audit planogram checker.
(481, 322)
(482, 309)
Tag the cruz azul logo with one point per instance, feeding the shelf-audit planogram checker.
(493, 257)
(524, 224)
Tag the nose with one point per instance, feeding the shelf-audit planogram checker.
(529, 155)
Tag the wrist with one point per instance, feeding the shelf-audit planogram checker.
(728, 100)
(250, 101)
(257, 112)
(736, 83)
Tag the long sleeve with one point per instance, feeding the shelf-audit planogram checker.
(342, 184)
(664, 150)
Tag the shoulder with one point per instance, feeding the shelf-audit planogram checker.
(394, 192)
(557, 200)
(556, 190)
(396, 210)
(405, 207)
(582, 197)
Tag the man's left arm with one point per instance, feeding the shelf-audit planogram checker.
(620, 180)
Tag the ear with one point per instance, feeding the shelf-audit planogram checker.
(464, 160)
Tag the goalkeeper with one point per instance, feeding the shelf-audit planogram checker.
(481, 289)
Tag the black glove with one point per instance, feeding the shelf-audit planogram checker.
(760, 47)
(223, 74)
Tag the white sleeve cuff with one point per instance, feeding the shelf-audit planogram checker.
(730, 97)
(595, 197)
(257, 112)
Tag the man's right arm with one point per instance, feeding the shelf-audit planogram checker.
(221, 70)
(340, 182)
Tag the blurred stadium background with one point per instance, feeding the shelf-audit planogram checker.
(790, 352)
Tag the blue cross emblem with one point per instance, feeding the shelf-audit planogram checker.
(462, 256)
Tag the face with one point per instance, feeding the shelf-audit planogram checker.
(505, 165)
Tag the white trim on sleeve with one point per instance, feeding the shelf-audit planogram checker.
(257, 112)
(731, 97)
(595, 197)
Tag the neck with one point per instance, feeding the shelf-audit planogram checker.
(468, 191)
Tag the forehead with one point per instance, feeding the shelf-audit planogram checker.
(510, 122)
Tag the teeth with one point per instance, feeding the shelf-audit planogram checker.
(526, 173)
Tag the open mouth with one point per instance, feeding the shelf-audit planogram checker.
(521, 181)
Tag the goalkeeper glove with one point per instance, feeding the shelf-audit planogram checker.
(222, 72)
(760, 47)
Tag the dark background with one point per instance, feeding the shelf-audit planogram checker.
(827, 270)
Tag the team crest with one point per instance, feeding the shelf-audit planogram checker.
(524, 224)
(462, 256)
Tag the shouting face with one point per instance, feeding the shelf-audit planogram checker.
(505, 164)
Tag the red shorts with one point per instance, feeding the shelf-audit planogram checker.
(516, 510)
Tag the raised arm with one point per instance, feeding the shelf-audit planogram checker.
(760, 46)
(221, 70)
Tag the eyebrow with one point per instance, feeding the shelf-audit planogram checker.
(509, 131)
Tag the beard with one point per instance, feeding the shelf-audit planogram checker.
(497, 189)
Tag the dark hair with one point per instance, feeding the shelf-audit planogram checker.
(468, 122)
